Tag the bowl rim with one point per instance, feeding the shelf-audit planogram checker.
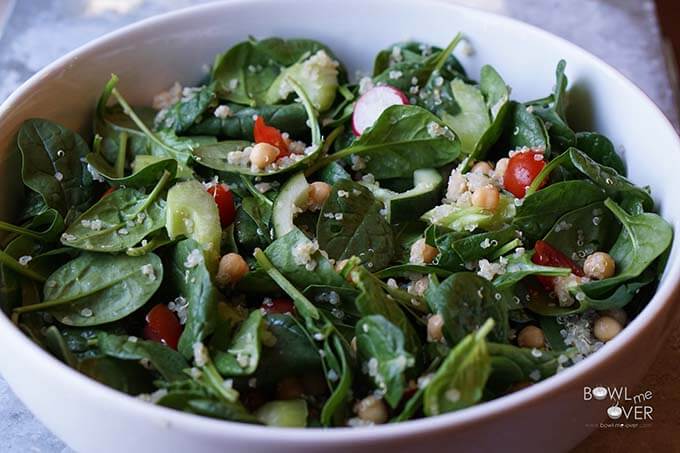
(458, 419)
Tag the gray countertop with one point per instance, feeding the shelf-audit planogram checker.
(622, 32)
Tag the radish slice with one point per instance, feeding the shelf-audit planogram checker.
(371, 105)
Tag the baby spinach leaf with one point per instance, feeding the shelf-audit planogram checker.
(51, 166)
(244, 73)
(465, 300)
(242, 357)
(483, 112)
(197, 402)
(403, 139)
(45, 227)
(372, 300)
(461, 378)
(351, 225)
(525, 129)
(251, 226)
(168, 362)
(416, 52)
(404, 270)
(146, 176)
(10, 290)
(457, 249)
(378, 340)
(282, 253)
(601, 150)
(57, 345)
(187, 111)
(643, 238)
(554, 113)
(583, 231)
(98, 288)
(521, 266)
(239, 125)
(511, 364)
(123, 375)
(293, 354)
(541, 210)
(118, 221)
(190, 279)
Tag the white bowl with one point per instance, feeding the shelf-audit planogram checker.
(149, 56)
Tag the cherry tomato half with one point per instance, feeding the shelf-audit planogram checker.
(162, 326)
(225, 202)
(522, 169)
(547, 255)
(271, 135)
(278, 306)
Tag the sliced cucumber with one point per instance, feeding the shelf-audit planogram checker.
(192, 212)
(409, 205)
(291, 199)
(286, 414)
(318, 76)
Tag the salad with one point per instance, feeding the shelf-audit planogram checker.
(280, 245)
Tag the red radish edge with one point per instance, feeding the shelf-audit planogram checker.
(372, 103)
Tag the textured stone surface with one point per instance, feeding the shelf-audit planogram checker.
(624, 33)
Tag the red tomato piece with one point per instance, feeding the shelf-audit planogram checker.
(547, 255)
(271, 135)
(108, 192)
(523, 168)
(162, 326)
(225, 202)
(278, 306)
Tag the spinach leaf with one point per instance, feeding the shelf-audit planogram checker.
(541, 210)
(524, 129)
(372, 300)
(143, 176)
(118, 221)
(251, 226)
(243, 354)
(554, 113)
(239, 125)
(461, 378)
(511, 364)
(168, 362)
(198, 402)
(293, 354)
(350, 224)
(244, 73)
(188, 110)
(458, 249)
(45, 227)
(216, 156)
(520, 266)
(97, 288)
(123, 375)
(464, 300)
(57, 345)
(643, 238)
(51, 166)
(10, 289)
(404, 270)
(403, 139)
(282, 253)
(583, 231)
(190, 278)
(381, 342)
(601, 150)
(482, 114)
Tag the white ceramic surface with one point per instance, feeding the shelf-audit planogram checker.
(148, 57)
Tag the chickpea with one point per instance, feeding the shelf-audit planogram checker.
(231, 269)
(419, 286)
(617, 313)
(263, 154)
(317, 195)
(599, 265)
(486, 197)
(482, 167)
(531, 337)
(372, 409)
(501, 166)
(435, 326)
(289, 388)
(422, 253)
(606, 328)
